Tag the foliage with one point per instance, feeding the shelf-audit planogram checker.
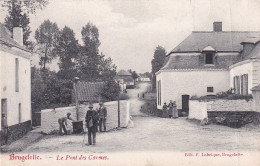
(157, 62)
(110, 91)
(17, 18)
(67, 50)
(228, 95)
(46, 37)
(29, 6)
(107, 69)
(123, 96)
(89, 58)
(48, 91)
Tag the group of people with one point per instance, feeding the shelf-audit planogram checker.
(94, 119)
(170, 110)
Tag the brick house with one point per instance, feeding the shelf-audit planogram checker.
(15, 82)
(208, 62)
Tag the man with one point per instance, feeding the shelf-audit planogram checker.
(91, 123)
(102, 112)
(63, 123)
(4, 129)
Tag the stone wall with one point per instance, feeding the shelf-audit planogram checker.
(200, 109)
(16, 131)
(49, 117)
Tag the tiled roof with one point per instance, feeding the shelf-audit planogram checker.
(197, 61)
(5, 37)
(89, 91)
(220, 41)
(124, 73)
(143, 75)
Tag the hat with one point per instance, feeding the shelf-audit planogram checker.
(68, 114)
(90, 105)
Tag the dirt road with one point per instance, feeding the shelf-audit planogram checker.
(154, 133)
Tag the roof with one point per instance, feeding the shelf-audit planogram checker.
(252, 40)
(5, 37)
(196, 61)
(143, 75)
(255, 53)
(89, 91)
(256, 88)
(124, 73)
(220, 41)
(128, 79)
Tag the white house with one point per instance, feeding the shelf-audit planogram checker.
(206, 63)
(143, 78)
(15, 82)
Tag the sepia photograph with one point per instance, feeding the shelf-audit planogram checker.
(130, 82)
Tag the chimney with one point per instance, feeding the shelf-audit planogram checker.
(18, 35)
(217, 26)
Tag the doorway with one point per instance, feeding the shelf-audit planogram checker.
(185, 103)
(4, 110)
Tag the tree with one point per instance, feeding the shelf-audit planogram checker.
(157, 62)
(89, 59)
(29, 6)
(46, 37)
(16, 18)
(106, 68)
(134, 75)
(110, 91)
(67, 49)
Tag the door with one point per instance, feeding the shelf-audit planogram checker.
(4, 111)
(185, 103)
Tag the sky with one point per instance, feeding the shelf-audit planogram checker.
(130, 30)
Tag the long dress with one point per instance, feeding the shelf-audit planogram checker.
(170, 112)
(165, 112)
(175, 111)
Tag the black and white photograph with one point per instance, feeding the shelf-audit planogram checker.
(130, 82)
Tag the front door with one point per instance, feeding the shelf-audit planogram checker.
(185, 103)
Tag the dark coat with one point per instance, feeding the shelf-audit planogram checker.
(92, 114)
(102, 112)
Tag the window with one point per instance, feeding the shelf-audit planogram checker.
(159, 92)
(209, 58)
(210, 89)
(16, 74)
(20, 113)
(244, 84)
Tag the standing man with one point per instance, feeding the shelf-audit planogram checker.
(91, 123)
(4, 126)
(63, 123)
(102, 112)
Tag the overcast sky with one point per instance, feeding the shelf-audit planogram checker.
(130, 30)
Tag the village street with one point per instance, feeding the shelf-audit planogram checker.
(154, 133)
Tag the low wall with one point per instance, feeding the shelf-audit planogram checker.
(200, 109)
(49, 117)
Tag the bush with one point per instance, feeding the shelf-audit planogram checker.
(110, 91)
(123, 96)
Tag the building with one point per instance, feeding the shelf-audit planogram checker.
(206, 63)
(125, 79)
(15, 82)
(87, 91)
(143, 78)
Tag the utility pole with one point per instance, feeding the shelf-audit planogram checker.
(76, 80)
(118, 102)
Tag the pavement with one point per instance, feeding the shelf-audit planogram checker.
(155, 134)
